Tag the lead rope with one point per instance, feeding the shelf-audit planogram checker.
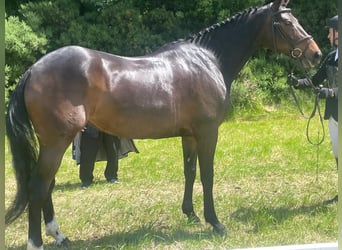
(317, 157)
(319, 141)
(313, 113)
(318, 108)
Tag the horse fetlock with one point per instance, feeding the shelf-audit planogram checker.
(32, 246)
(52, 229)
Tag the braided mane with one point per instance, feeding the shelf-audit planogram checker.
(229, 21)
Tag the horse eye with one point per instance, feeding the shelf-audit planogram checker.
(287, 22)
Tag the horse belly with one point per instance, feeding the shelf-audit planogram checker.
(156, 118)
(144, 123)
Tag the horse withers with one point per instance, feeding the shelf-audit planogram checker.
(182, 89)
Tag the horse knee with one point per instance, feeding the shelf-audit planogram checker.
(190, 171)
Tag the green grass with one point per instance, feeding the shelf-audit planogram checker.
(269, 188)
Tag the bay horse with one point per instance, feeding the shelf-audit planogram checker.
(182, 89)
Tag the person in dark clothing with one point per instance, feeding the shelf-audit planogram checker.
(91, 141)
(326, 72)
(92, 145)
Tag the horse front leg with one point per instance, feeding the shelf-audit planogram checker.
(51, 225)
(190, 159)
(206, 151)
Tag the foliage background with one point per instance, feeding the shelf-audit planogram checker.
(137, 27)
(256, 213)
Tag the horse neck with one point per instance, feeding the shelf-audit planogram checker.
(233, 41)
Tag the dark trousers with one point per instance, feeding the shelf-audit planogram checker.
(89, 147)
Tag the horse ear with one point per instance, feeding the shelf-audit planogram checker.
(285, 2)
(277, 3)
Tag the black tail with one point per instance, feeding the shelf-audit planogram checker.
(23, 145)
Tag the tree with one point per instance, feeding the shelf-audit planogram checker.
(129, 27)
(22, 47)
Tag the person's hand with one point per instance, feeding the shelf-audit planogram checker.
(298, 83)
(324, 93)
(292, 80)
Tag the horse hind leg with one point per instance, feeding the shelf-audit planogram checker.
(190, 159)
(40, 188)
(51, 225)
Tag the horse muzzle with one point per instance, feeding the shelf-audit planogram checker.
(310, 56)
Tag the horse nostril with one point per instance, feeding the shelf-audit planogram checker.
(318, 55)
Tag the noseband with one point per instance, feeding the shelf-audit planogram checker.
(295, 52)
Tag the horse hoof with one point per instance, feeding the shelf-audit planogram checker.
(193, 219)
(220, 229)
(64, 244)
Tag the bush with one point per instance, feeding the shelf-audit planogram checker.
(135, 27)
(22, 47)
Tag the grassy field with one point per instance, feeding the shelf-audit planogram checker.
(270, 184)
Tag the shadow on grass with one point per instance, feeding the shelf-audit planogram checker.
(143, 237)
(150, 236)
(68, 186)
(266, 216)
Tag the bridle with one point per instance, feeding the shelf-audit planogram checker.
(296, 52)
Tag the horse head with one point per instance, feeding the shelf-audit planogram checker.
(284, 34)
